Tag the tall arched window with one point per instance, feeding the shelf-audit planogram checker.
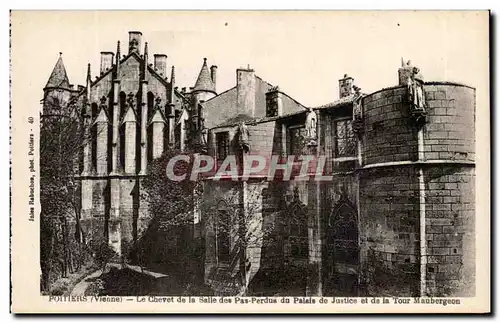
(151, 104)
(94, 110)
(297, 222)
(343, 225)
(223, 232)
(123, 104)
(93, 135)
(149, 130)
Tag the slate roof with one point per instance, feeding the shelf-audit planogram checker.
(59, 77)
(345, 100)
(204, 81)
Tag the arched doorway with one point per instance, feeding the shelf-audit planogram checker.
(341, 255)
(296, 247)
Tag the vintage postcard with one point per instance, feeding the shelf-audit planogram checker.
(250, 162)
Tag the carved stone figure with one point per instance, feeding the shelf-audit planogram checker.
(157, 103)
(357, 103)
(416, 98)
(357, 112)
(310, 126)
(133, 45)
(103, 103)
(243, 137)
(130, 100)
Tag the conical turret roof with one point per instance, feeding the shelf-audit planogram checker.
(58, 77)
(204, 81)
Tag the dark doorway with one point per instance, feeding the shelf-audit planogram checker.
(341, 254)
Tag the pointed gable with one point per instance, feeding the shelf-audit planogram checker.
(130, 116)
(182, 117)
(102, 117)
(204, 81)
(58, 77)
(157, 117)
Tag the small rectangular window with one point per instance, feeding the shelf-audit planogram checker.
(296, 141)
(344, 138)
(222, 142)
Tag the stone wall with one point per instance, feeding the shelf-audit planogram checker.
(389, 230)
(390, 196)
(449, 136)
(389, 135)
(450, 131)
(450, 233)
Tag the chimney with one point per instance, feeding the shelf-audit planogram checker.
(245, 87)
(274, 102)
(346, 86)
(106, 61)
(213, 74)
(160, 64)
(134, 42)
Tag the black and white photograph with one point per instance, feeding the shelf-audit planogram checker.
(308, 159)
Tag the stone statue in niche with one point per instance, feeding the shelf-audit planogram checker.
(130, 100)
(357, 111)
(243, 137)
(311, 127)
(416, 97)
(157, 103)
(102, 105)
(133, 45)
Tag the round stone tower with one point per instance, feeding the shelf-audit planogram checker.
(417, 194)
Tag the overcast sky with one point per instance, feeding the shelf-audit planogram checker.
(305, 53)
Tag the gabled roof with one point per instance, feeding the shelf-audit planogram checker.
(183, 116)
(255, 120)
(59, 77)
(342, 101)
(204, 81)
(139, 59)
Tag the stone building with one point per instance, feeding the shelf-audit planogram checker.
(395, 215)
(133, 111)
